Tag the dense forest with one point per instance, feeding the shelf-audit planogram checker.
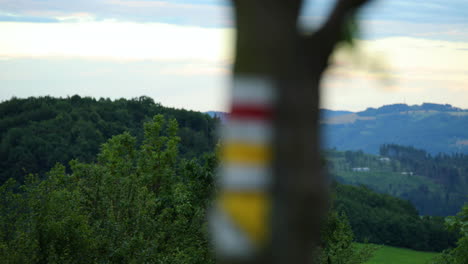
(130, 181)
(384, 219)
(436, 185)
(459, 254)
(450, 170)
(38, 132)
(134, 204)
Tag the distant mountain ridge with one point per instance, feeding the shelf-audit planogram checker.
(325, 113)
(437, 128)
(398, 108)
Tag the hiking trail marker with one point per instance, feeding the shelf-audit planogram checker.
(240, 219)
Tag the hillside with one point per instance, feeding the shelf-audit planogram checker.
(433, 127)
(436, 185)
(38, 132)
(384, 219)
(393, 255)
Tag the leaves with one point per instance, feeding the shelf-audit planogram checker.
(135, 205)
(337, 245)
(38, 132)
(459, 254)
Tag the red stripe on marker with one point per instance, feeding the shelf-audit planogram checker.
(251, 111)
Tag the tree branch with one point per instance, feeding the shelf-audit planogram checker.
(332, 31)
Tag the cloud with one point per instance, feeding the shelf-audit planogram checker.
(31, 19)
(195, 13)
(202, 91)
(115, 40)
(178, 66)
(375, 29)
(197, 69)
(184, 46)
(396, 70)
(382, 18)
(428, 11)
(406, 56)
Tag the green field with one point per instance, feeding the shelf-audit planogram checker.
(393, 255)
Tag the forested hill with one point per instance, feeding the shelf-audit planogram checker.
(140, 196)
(384, 219)
(433, 127)
(147, 204)
(435, 184)
(37, 132)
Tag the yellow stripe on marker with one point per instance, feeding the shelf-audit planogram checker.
(247, 153)
(250, 212)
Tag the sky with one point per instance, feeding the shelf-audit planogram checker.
(180, 52)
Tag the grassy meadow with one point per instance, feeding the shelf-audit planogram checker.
(393, 255)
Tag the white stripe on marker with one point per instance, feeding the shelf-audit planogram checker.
(228, 239)
(243, 177)
(253, 90)
(248, 131)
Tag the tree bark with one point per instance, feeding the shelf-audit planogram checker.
(269, 45)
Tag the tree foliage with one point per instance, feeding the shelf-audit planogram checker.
(435, 184)
(383, 219)
(337, 243)
(134, 205)
(38, 132)
(459, 254)
(143, 197)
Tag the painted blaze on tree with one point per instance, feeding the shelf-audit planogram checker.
(280, 219)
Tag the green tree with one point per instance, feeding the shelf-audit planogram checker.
(337, 245)
(134, 205)
(459, 254)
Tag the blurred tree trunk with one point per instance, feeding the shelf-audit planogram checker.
(269, 45)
